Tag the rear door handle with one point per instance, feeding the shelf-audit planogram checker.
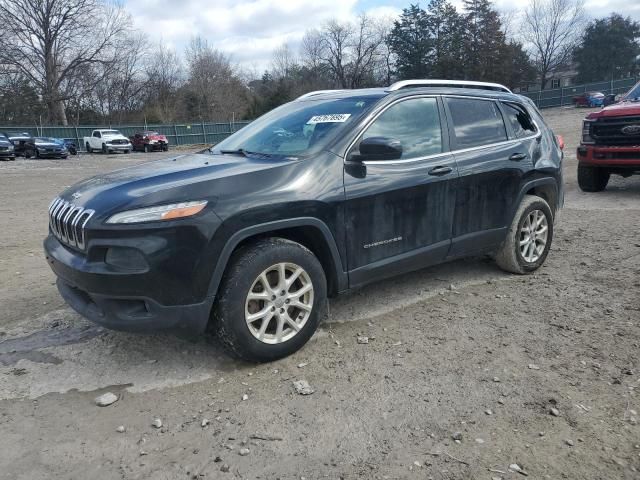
(438, 171)
(516, 157)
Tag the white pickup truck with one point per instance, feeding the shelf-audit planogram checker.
(107, 141)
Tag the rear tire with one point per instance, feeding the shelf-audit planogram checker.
(283, 322)
(592, 179)
(529, 237)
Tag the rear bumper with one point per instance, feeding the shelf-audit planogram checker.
(609, 156)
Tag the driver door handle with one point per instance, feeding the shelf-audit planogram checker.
(442, 170)
(516, 157)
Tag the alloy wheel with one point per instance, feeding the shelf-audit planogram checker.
(279, 303)
(533, 236)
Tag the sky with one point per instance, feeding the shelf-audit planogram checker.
(249, 30)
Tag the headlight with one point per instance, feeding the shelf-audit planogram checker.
(161, 212)
(11, 148)
(586, 132)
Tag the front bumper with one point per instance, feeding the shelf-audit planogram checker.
(107, 297)
(119, 147)
(609, 156)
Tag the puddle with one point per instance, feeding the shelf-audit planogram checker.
(27, 347)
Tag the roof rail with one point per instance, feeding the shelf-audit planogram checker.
(448, 83)
(317, 92)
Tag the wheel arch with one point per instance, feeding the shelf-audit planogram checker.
(545, 188)
(307, 231)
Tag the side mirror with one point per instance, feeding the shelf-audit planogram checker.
(379, 148)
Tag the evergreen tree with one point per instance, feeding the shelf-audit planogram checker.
(610, 48)
(483, 40)
(411, 43)
(446, 29)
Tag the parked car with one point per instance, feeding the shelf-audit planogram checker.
(589, 99)
(149, 140)
(71, 145)
(610, 143)
(327, 193)
(610, 99)
(23, 144)
(47, 147)
(7, 151)
(107, 141)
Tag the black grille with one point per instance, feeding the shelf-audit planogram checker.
(611, 131)
(67, 222)
(119, 142)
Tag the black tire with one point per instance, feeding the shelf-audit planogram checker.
(88, 147)
(245, 266)
(509, 257)
(165, 148)
(104, 148)
(592, 179)
(146, 148)
(126, 151)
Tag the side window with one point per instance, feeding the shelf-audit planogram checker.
(476, 122)
(519, 119)
(415, 122)
(96, 134)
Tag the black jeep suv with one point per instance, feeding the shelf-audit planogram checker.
(327, 193)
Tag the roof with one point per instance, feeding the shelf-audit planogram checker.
(439, 87)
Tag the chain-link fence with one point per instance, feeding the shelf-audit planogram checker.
(183, 134)
(557, 97)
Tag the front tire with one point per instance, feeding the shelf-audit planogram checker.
(104, 148)
(88, 147)
(592, 179)
(271, 300)
(529, 237)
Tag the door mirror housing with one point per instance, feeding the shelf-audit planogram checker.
(379, 148)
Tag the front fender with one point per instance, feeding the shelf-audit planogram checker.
(254, 230)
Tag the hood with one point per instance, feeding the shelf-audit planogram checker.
(5, 142)
(162, 181)
(622, 109)
(157, 136)
(40, 143)
(113, 135)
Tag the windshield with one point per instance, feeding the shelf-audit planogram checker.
(634, 93)
(111, 132)
(297, 128)
(46, 140)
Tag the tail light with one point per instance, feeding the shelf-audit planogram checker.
(560, 139)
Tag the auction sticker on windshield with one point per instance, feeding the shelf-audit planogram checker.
(332, 118)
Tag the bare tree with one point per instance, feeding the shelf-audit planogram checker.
(164, 72)
(215, 91)
(283, 61)
(50, 41)
(551, 30)
(352, 53)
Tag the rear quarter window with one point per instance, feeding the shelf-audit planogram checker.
(476, 122)
(520, 121)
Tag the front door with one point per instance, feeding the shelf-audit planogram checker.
(399, 212)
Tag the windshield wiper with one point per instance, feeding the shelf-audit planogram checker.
(239, 151)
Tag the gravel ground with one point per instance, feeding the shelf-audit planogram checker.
(460, 350)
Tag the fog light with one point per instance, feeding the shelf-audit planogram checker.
(125, 258)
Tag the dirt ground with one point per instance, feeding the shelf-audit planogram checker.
(460, 350)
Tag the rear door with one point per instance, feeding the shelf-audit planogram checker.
(399, 212)
(491, 163)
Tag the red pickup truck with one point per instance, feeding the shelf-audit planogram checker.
(610, 143)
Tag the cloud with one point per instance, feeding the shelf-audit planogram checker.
(248, 30)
